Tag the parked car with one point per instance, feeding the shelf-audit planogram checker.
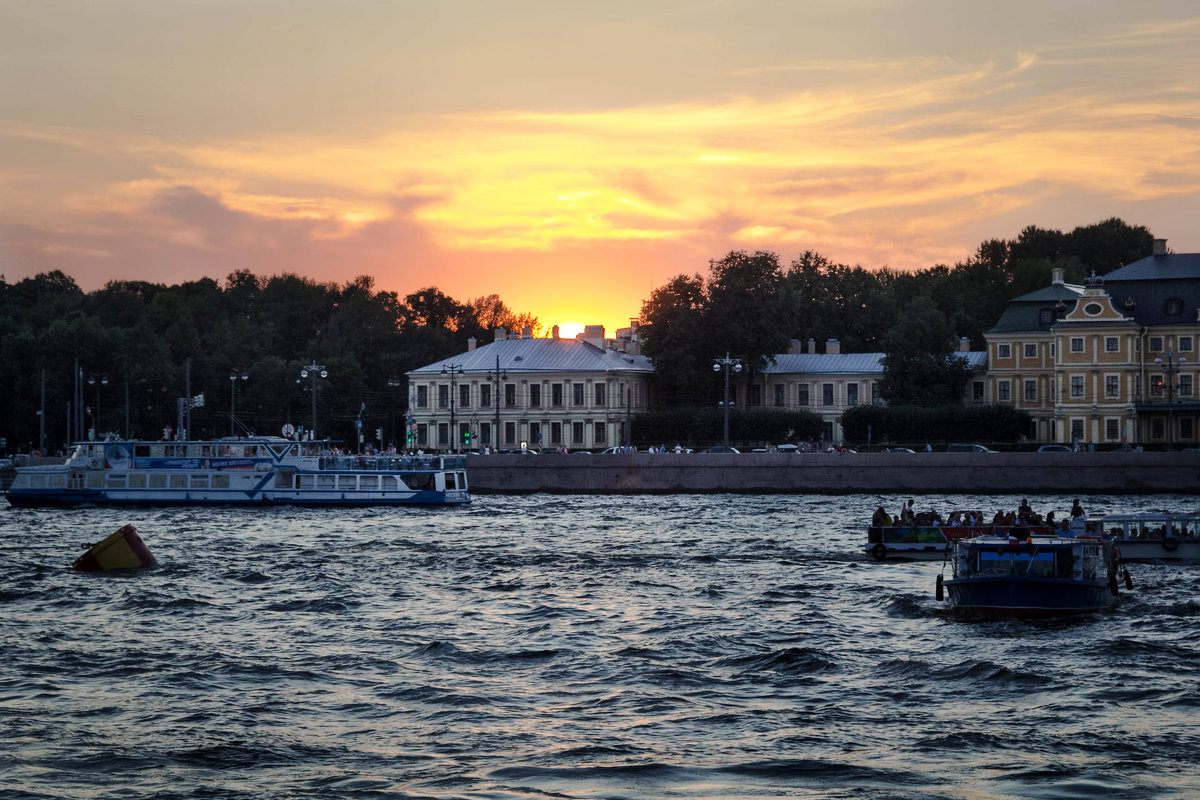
(6, 463)
(1054, 448)
(967, 448)
(787, 448)
(721, 449)
(898, 450)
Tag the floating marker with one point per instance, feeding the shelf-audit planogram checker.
(122, 549)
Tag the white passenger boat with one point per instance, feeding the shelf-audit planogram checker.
(1149, 537)
(244, 471)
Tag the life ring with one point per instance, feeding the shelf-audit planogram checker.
(289, 430)
(94, 463)
(879, 551)
(1170, 544)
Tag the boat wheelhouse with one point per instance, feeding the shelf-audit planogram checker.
(245, 471)
(1035, 577)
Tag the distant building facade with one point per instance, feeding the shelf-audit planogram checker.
(1112, 361)
(518, 392)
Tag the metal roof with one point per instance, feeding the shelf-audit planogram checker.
(1172, 266)
(540, 355)
(846, 363)
(1024, 313)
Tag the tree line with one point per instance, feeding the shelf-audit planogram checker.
(137, 346)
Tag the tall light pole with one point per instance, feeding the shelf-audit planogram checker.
(394, 383)
(452, 370)
(234, 376)
(1170, 369)
(314, 370)
(726, 364)
(496, 399)
(97, 382)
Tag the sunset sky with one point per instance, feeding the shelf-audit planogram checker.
(572, 156)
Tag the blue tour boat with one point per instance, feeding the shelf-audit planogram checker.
(1035, 577)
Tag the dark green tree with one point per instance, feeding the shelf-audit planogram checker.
(921, 365)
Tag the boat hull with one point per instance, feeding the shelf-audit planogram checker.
(1027, 598)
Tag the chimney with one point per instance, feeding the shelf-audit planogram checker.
(794, 347)
(1160, 247)
(812, 346)
(964, 345)
(527, 332)
(833, 347)
(1056, 276)
(593, 335)
(554, 332)
(470, 344)
(501, 334)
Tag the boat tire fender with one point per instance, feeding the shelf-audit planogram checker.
(1170, 544)
(879, 551)
(1128, 580)
(940, 593)
(1112, 584)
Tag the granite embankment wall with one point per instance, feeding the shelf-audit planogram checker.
(828, 473)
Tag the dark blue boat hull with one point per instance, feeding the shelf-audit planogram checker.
(1027, 598)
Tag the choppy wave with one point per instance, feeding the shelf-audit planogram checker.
(581, 647)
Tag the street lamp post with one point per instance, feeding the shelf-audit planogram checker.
(314, 370)
(97, 382)
(498, 375)
(394, 383)
(1170, 370)
(452, 370)
(234, 376)
(725, 364)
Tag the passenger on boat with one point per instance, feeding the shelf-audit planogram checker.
(1076, 509)
(880, 518)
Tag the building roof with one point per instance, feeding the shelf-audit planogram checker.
(845, 363)
(539, 355)
(1163, 289)
(1172, 266)
(1024, 313)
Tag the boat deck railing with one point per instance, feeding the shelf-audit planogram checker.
(390, 463)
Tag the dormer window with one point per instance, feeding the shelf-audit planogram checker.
(1174, 307)
(1046, 316)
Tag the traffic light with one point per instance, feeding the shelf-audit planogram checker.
(409, 436)
(467, 437)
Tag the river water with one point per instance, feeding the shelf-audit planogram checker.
(571, 647)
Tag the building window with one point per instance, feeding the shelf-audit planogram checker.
(510, 433)
(599, 437)
(555, 433)
(1076, 344)
(754, 395)
(464, 396)
(1111, 344)
(1156, 386)
(826, 394)
(422, 397)
(1112, 385)
(1076, 386)
(556, 395)
(443, 430)
(778, 395)
(1185, 385)
(1174, 307)
(1003, 351)
(485, 433)
(852, 394)
(1112, 429)
(1046, 316)
(977, 391)
(1031, 390)
(1185, 344)
(577, 394)
(1157, 430)
(1186, 429)
(1002, 391)
(1155, 344)
(600, 394)
(1031, 351)
(510, 396)
(576, 433)
(535, 396)
(535, 433)
(1076, 430)
(443, 396)
(485, 396)
(802, 394)
(422, 435)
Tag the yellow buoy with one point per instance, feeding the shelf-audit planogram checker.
(121, 549)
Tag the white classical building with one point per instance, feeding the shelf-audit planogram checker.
(546, 393)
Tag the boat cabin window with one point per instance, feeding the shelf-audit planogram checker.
(220, 481)
(347, 482)
(199, 482)
(177, 481)
(388, 483)
(368, 482)
(95, 480)
(58, 481)
(324, 481)
(137, 480)
(1004, 562)
(115, 480)
(141, 451)
(158, 481)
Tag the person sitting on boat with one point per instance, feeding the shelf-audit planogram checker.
(998, 518)
(880, 518)
(1050, 519)
(1076, 509)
